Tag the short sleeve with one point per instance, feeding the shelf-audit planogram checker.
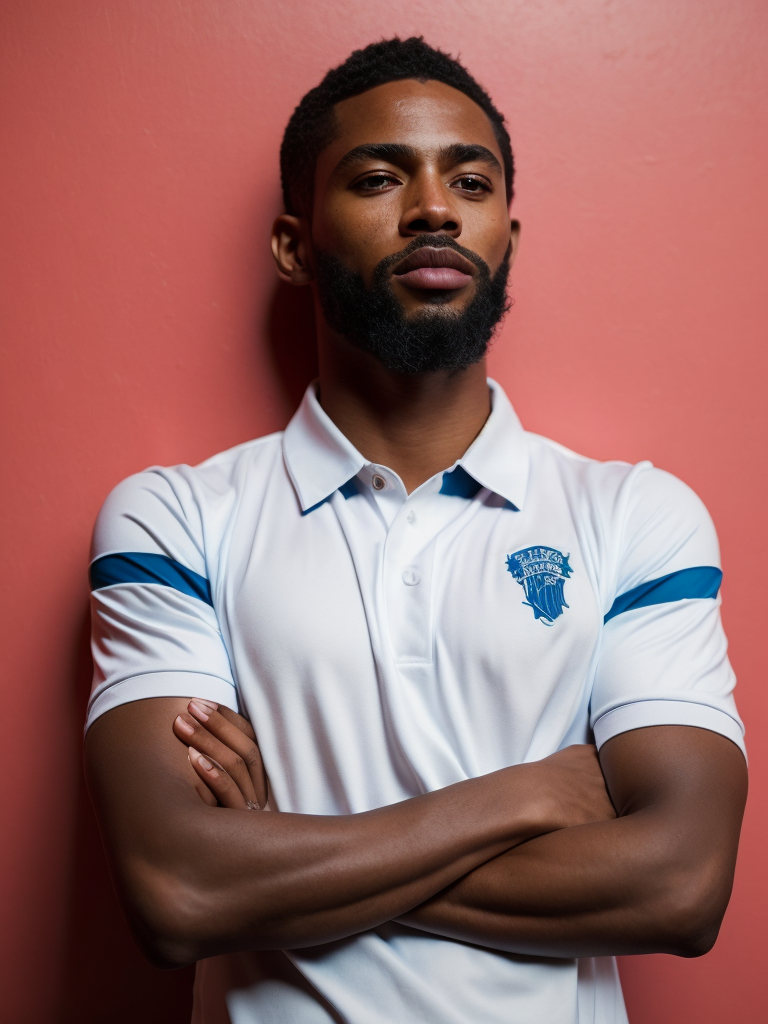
(663, 657)
(154, 628)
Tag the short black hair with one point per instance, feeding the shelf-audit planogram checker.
(311, 127)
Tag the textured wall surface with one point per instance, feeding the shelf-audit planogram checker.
(142, 324)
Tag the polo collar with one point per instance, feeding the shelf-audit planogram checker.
(320, 459)
(318, 456)
(498, 457)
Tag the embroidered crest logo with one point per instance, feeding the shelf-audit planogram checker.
(542, 573)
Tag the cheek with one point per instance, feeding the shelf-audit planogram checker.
(487, 233)
(360, 232)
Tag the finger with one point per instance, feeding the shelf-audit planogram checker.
(201, 788)
(231, 716)
(233, 737)
(196, 735)
(219, 782)
(242, 723)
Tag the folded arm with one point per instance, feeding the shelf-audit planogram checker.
(657, 879)
(198, 880)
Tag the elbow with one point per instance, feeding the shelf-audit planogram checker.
(164, 949)
(168, 922)
(692, 939)
(174, 922)
(177, 921)
(692, 916)
(163, 952)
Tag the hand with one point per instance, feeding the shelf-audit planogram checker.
(224, 754)
(568, 788)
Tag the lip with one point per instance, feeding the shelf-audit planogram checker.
(431, 268)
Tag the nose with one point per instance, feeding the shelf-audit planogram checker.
(429, 208)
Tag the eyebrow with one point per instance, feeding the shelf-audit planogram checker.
(465, 153)
(456, 153)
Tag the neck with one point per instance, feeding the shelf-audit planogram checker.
(417, 425)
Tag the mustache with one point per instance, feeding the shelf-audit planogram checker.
(430, 242)
(371, 318)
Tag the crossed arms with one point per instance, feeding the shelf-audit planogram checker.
(531, 859)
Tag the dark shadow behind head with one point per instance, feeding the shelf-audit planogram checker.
(291, 340)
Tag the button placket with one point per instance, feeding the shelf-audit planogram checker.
(408, 579)
(386, 493)
(411, 576)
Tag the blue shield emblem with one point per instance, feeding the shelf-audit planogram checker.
(542, 573)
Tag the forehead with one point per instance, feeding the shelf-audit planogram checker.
(424, 115)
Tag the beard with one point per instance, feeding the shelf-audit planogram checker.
(433, 339)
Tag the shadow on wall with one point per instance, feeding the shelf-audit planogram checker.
(106, 979)
(291, 339)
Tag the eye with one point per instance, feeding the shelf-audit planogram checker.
(374, 182)
(468, 183)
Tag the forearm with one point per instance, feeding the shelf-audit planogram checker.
(201, 880)
(593, 890)
(656, 879)
(263, 880)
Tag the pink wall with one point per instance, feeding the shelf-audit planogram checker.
(143, 324)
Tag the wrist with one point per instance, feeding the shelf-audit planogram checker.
(513, 805)
(533, 809)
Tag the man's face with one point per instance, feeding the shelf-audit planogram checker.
(410, 160)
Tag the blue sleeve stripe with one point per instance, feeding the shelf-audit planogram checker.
(701, 581)
(140, 567)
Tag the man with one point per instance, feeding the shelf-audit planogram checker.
(428, 616)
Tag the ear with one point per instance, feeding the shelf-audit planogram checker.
(514, 240)
(290, 249)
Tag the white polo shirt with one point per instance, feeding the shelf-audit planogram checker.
(386, 645)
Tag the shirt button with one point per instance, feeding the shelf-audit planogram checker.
(411, 517)
(378, 482)
(411, 576)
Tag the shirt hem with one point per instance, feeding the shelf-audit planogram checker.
(162, 684)
(645, 713)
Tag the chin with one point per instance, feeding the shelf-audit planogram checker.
(444, 300)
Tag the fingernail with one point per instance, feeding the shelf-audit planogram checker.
(198, 710)
(184, 726)
(204, 762)
(207, 703)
